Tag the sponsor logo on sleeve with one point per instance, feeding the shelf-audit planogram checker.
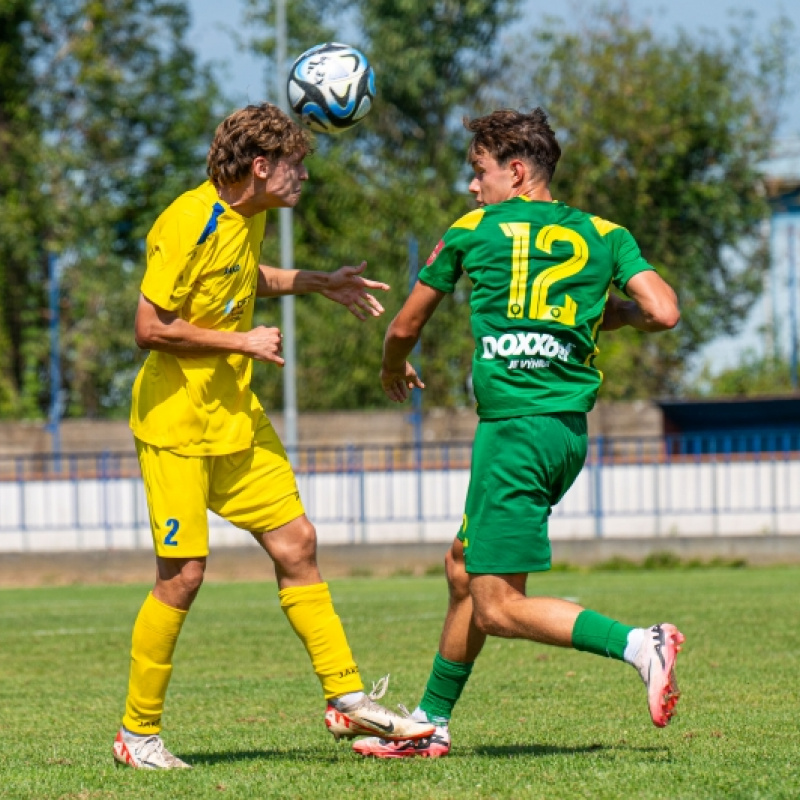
(435, 252)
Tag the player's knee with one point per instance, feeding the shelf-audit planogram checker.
(298, 549)
(191, 577)
(488, 619)
(177, 582)
(306, 544)
(457, 577)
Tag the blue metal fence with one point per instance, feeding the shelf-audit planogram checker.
(735, 481)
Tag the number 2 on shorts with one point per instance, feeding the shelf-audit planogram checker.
(173, 526)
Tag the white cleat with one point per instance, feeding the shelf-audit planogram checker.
(656, 666)
(367, 718)
(144, 752)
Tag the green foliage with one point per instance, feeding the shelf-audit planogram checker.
(131, 114)
(104, 119)
(754, 375)
(664, 136)
(307, 24)
(666, 560)
(23, 215)
(398, 176)
(432, 60)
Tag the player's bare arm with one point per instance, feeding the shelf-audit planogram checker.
(345, 286)
(397, 375)
(653, 305)
(612, 313)
(159, 329)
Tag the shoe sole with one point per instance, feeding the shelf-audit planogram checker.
(146, 768)
(398, 754)
(401, 755)
(663, 703)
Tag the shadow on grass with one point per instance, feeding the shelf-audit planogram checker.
(312, 754)
(505, 751)
(317, 756)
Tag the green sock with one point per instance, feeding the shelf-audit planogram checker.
(594, 633)
(445, 684)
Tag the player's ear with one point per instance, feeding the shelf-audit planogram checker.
(519, 171)
(261, 167)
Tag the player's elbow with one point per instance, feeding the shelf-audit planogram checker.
(673, 318)
(402, 333)
(659, 313)
(665, 317)
(144, 333)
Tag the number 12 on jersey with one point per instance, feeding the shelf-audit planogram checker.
(520, 233)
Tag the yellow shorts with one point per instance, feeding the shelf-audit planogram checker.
(253, 489)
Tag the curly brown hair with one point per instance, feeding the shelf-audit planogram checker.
(253, 131)
(507, 134)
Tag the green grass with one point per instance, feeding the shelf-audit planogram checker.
(534, 722)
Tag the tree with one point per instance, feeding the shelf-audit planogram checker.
(433, 60)
(128, 115)
(664, 137)
(23, 214)
(105, 117)
(753, 376)
(398, 176)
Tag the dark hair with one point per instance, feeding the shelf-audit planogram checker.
(508, 134)
(253, 131)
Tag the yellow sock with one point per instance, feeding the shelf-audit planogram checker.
(309, 610)
(154, 636)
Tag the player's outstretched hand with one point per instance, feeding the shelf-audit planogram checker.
(346, 286)
(264, 344)
(397, 383)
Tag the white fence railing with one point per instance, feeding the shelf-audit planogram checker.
(677, 486)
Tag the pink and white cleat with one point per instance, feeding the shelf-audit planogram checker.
(434, 746)
(656, 665)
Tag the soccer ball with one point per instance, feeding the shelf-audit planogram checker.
(331, 87)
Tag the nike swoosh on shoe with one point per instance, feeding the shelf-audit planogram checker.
(386, 728)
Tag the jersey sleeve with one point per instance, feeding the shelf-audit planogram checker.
(174, 252)
(628, 259)
(444, 265)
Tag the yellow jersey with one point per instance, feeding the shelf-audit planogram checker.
(202, 263)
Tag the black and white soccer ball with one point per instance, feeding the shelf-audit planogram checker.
(331, 87)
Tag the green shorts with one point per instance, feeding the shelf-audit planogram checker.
(521, 467)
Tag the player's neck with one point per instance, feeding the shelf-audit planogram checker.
(537, 192)
(241, 198)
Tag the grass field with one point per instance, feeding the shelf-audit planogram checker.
(535, 722)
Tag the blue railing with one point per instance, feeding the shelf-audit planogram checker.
(732, 482)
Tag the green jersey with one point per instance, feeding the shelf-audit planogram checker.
(541, 273)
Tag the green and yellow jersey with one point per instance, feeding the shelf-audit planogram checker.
(541, 273)
(202, 263)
